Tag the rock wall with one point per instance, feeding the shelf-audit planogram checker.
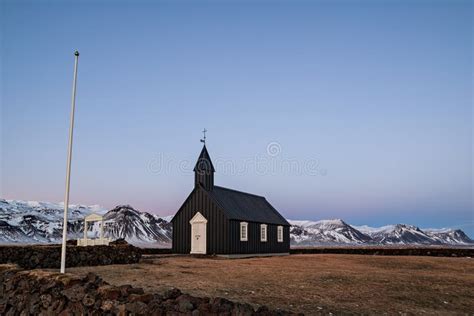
(49, 256)
(38, 292)
(381, 251)
(389, 251)
(156, 251)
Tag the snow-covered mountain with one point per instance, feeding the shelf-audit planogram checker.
(408, 234)
(137, 227)
(449, 236)
(330, 232)
(41, 222)
(306, 233)
(399, 234)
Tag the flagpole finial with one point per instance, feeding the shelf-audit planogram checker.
(76, 53)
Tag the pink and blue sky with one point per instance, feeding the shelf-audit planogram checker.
(360, 110)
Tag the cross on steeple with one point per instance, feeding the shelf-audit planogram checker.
(203, 140)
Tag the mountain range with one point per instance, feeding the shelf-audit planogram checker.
(337, 232)
(41, 222)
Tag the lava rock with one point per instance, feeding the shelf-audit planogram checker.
(39, 292)
(88, 300)
(75, 293)
(144, 298)
(109, 292)
(172, 294)
(48, 256)
(46, 300)
(184, 303)
(120, 241)
(138, 308)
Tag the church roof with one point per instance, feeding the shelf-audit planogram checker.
(246, 207)
(204, 162)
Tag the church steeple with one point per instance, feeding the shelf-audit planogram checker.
(204, 171)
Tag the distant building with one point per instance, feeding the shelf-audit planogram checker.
(217, 220)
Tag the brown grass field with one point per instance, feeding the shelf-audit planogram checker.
(312, 284)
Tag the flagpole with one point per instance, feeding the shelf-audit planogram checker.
(68, 170)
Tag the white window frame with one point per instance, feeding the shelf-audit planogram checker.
(244, 226)
(263, 232)
(280, 233)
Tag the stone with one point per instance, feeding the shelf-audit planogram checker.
(107, 305)
(156, 307)
(205, 308)
(34, 256)
(47, 286)
(220, 305)
(157, 297)
(75, 293)
(144, 298)
(76, 308)
(242, 310)
(88, 300)
(138, 308)
(39, 292)
(136, 290)
(97, 305)
(263, 310)
(109, 292)
(58, 305)
(56, 292)
(46, 300)
(172, 294)
(11, 312)
(93, 278)
(121, 310)
(3, 306)
(67, 280)
(34, 305)
(184, 303)
(125, 289)
(157, 312)
(168, 305)
(119, 241)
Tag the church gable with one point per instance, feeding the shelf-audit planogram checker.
(199, 201)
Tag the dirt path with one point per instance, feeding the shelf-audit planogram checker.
(313, 283)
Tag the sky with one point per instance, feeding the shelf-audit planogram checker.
(360, 110)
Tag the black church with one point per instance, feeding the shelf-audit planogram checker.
(217, 220)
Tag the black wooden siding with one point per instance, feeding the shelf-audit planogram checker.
(223, 235)
(217, 224)
(253, 244)
(206, 179)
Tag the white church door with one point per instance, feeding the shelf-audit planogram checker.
(198, 234)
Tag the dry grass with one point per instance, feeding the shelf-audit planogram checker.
(313, 283)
